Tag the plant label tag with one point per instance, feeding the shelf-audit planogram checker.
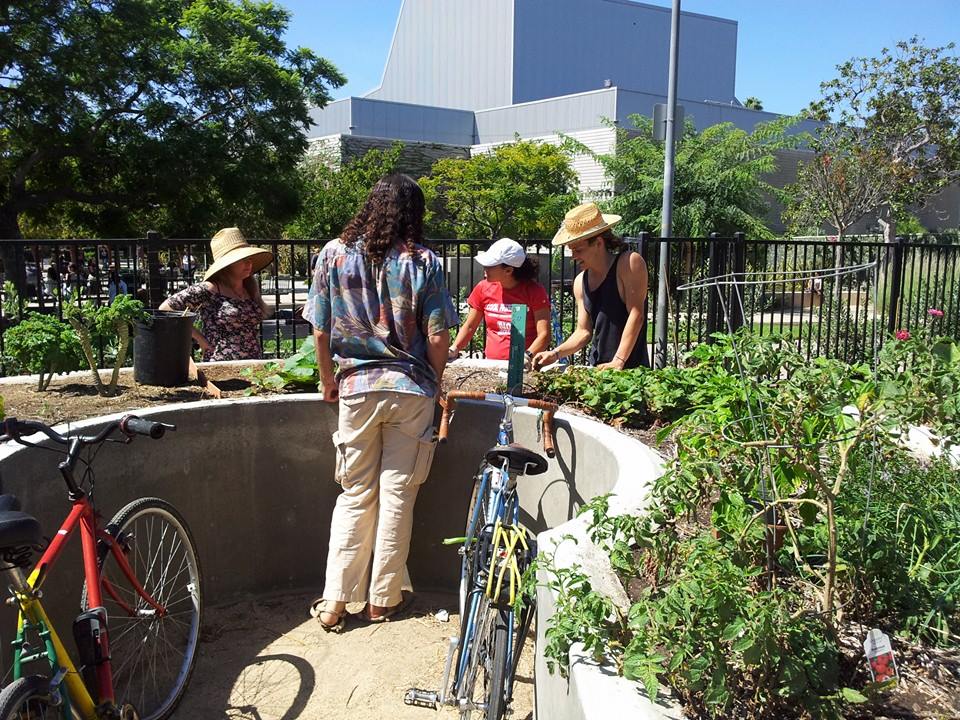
(879, 652)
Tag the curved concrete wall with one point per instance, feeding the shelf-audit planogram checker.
(253, 477)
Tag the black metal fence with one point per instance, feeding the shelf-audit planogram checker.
(837, 299)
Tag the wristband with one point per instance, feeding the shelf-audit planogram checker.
(617, 357)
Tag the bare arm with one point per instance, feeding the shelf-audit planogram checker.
(632, 282)
(542, 341)
(467, 331)
(438, 348)
(328, 382)
(578, 338)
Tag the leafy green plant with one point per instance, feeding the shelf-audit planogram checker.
(298, 370)
(758, 532)
(105, 323)
(44, 345)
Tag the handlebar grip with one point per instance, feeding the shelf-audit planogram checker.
(133, 425)
(445, 418)
(466, 395)
(548, 446)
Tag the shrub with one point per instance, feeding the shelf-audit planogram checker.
(44, 345)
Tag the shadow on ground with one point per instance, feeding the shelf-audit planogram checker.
(266, 659)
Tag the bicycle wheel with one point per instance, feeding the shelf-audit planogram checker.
(27, 698)
(152, 657)
(488, 663)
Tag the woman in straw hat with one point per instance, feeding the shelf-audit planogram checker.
(611, 293)
(228, 300)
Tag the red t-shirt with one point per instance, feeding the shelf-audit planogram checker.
(494, 302)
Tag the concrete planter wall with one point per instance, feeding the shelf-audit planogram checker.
(253, 477)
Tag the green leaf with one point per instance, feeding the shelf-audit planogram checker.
(852, 696)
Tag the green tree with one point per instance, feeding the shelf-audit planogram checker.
(753, 103)
(521, 189)
(190, 109)
(332, 195)
(895, 125)
(719, 174)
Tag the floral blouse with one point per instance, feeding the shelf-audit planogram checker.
(230, 325)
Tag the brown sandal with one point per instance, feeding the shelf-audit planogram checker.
(388, 613)
(317, 611)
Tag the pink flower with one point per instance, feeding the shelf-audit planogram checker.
(933, 312)
(902, 335)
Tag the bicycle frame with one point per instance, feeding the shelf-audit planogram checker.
(27, 593)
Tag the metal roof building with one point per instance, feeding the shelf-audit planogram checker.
(464, 75)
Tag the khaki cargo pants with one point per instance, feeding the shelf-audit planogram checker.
(384, 446)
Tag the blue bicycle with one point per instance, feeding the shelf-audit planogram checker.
(495, 551)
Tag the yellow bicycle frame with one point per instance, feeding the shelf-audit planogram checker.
(31, 608)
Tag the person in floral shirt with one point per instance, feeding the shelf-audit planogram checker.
(228, 300)
(379, 308)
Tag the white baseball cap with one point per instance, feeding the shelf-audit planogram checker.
(503, 252)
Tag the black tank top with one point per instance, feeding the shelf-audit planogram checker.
(609, 315)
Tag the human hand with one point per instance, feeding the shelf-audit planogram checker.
(615, 364)
(453, 354)
(546, 357)
(331, 390)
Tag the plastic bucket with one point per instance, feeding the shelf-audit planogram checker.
(161, 348)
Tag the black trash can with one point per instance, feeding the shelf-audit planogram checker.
(161, 348)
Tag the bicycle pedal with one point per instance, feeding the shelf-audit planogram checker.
(422, 698)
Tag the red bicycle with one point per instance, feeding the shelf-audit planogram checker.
(142, 581)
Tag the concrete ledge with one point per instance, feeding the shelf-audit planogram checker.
(594, 691)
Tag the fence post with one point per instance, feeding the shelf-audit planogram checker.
(155, 289)
(716, 263)
(896, 279)
(739, 270)
(641, 246)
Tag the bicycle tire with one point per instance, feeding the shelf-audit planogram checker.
(489, 660)
(152, 657)
(496, 689)
(28, 698)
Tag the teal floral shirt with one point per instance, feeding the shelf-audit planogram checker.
(379, 317)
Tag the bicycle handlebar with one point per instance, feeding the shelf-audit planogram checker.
(129, 425)
(548, 408)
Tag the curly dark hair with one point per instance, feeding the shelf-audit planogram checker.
(527, 271)
(392, 215)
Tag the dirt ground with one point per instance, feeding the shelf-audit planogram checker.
(266, 659)
(71, 398)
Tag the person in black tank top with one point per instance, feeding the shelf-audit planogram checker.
(611, 293)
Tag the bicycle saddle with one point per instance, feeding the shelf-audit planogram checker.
(17, 529)
(521, 461)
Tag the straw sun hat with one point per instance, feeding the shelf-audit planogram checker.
(583, 221)
(228, 246)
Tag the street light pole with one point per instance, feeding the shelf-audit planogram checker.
(660, 350)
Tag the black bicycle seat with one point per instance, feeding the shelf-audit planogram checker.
(17, 528)
(520, 460)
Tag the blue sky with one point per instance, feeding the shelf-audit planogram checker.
(785, 47)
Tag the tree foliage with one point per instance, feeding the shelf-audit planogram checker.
(332, 195)
(718, 181)
(521, 190)
(191, 109)
(893, 136)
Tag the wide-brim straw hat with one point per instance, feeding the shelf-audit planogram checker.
(229, 246)
(583, 221)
